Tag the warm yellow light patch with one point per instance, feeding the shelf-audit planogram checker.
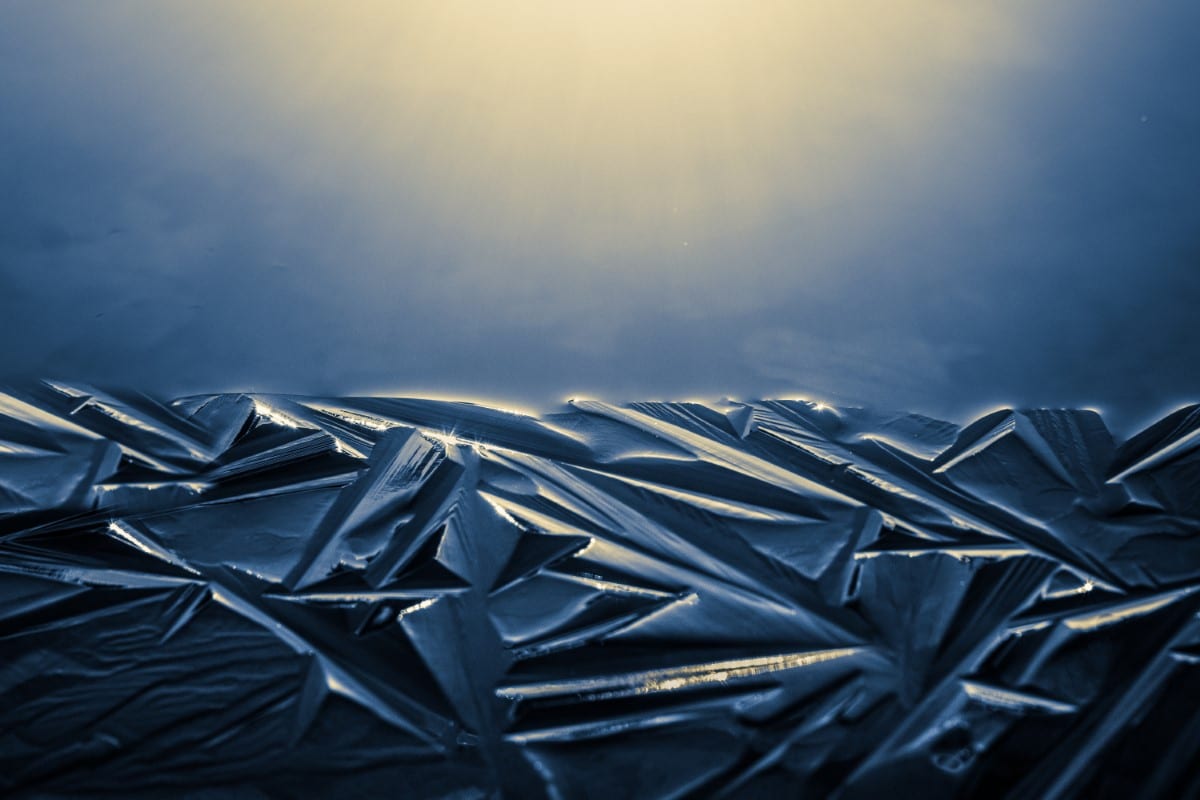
(619, 132)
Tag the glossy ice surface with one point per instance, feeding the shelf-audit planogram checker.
(286, 596)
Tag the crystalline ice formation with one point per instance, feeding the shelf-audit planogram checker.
(278, 596)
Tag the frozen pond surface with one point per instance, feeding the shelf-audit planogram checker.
(315, 574)
(283, 595)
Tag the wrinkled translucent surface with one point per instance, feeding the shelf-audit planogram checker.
(284, 596)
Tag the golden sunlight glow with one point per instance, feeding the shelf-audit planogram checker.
(617, 138)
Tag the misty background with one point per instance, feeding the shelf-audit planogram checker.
(921, 206)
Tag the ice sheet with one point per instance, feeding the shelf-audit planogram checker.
(286, 596)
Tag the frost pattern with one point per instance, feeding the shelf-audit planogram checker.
(283, 596)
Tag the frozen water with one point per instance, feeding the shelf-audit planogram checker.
(285, 596)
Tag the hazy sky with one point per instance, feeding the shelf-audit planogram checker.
(934, 205)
